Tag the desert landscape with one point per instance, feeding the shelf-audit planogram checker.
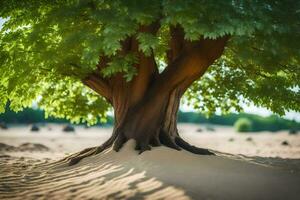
(260, 165)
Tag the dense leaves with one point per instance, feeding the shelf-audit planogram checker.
(48, 47)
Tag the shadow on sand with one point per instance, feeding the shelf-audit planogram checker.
(158, 174)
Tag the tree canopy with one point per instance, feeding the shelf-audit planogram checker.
(48, 48)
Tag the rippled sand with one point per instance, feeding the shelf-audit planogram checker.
(162, 173)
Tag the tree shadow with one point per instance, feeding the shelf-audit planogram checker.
(290, 164)
(102, 179)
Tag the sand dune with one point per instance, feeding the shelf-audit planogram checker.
(158, 174)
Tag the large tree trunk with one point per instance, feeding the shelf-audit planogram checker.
(152, 122)
(146, 107)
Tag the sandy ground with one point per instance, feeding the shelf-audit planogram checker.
(251, 166)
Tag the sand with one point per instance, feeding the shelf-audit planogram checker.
(162, 173)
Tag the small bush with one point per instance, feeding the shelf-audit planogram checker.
(3, 125)
(68, 128)
(293, 131)
(243, 125)
(210, 128)
(35, 128)
(199, 130)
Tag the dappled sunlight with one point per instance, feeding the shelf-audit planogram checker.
(161, 173)
(68, 68)
(100, 179)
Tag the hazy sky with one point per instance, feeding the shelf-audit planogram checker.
(249, 109)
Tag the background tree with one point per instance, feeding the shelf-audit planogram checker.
(81, 57)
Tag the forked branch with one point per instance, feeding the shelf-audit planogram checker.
(176, 43)
(192, 61)
(99, 85)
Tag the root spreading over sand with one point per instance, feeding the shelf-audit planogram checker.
(162, 173)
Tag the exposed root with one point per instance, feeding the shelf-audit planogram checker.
(155, 142)
(186, 146)
(142, 145)
(75, 158)
(166, 140)
(66, 159)
(120, 141)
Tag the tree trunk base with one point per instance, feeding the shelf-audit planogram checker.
(118, 141)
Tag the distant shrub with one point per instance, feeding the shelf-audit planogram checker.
(243, 125)
(35, 128)
(199, 130)
(210, 128)
(293, 131)
(68, 128)
(3, 125)
(285, 143)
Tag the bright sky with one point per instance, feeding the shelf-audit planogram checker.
(248, 109)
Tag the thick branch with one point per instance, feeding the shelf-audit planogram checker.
(116, 87)
(96, 83)
(103, 61)
(176, 43)
(99, 85)
(192, 62)
(146, 68)
(147, 71)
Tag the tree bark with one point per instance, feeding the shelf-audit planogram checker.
(151, 122)
(146, 108)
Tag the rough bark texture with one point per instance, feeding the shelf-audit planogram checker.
(146, 107)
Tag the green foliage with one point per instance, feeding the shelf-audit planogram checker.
(30, 116)
(148, 42)
(43, 42)
(124, 64)
(71, 100)
(243, 125)
(271, 123)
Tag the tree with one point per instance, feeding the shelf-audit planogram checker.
(82, 57)
(243, 125)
